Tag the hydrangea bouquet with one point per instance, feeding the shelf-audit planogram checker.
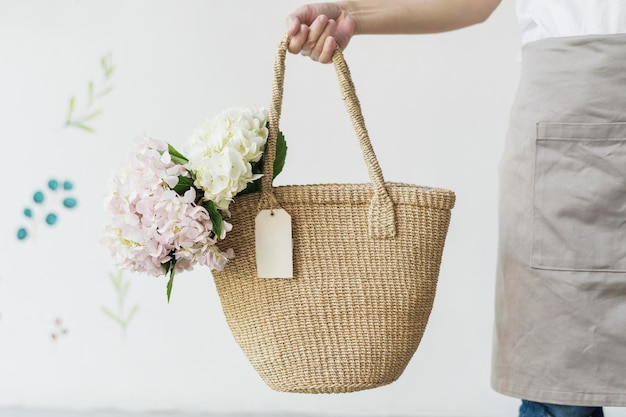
(166, 210)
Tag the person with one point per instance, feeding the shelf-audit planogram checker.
(560, 322)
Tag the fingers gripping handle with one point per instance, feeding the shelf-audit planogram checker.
(381, 213)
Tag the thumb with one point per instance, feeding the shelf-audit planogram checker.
(293, 25)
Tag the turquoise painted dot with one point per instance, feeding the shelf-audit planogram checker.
(70, 202)
(67, 185)
(53, 184)
(22, 234)
(28, 212)
(51, 219)
(38, 197)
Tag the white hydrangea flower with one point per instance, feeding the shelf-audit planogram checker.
(221, 152)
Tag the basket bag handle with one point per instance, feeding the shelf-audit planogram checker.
(381, 220)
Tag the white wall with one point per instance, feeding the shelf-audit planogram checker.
(436, 107)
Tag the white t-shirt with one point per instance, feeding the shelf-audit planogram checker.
(540, 19)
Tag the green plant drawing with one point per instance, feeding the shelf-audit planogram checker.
(121, 287)
(83, 119)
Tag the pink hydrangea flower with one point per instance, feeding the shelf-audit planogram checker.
(151, 227)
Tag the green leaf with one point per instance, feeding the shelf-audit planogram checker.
(91, 116)
(170, 283)
(107, 65)
(116, 279)
(216, 217)
(82, 126)
(257, 167)
(112, 316)
(90, 91)
(108, 70)
(124, 291)
(70, 109)
(281, 154)
(176, 156)
(104, 92)
(252, 187)
(132, 314)
(183, 185)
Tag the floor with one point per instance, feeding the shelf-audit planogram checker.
(21, 412)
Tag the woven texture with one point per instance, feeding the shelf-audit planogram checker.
(366, 262)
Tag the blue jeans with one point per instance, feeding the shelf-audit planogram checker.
(533, 409)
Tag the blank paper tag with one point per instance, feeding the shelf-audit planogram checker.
(274, 248)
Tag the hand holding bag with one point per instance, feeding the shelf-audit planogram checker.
(366, 260)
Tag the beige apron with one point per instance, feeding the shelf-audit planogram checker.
(560, 331)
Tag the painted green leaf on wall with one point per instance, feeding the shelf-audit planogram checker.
(120, 315)
(82, 119)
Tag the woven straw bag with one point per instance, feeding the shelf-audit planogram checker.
(366, 259)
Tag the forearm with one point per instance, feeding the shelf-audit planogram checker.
(416, 16)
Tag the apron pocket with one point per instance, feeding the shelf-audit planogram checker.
(579, 208)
